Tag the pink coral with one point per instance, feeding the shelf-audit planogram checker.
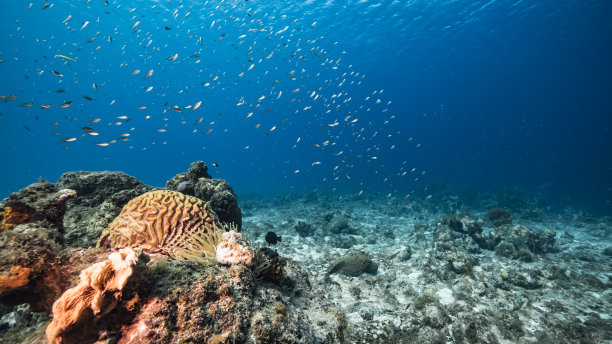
(97, 293)
(230, 252)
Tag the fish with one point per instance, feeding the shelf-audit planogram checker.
(135, 25)
(123, 138)
(57, 73)
(149, 73)
(272, 238)
(215, 164)
(161, 130)
(136, 71)
(66, 104)
(93, 133)
(199, 120)
(27, 104)
(86, 128)
(176, 108)
(85, 24)
(122, 117)
(68, 139)
(208, 131)
(271, 130)
(60, 91)
(88, 98)
(149, 89)
(95, 120)
(13, 97)
(102, 144)
(196, 105)
(45, 106)
(65, 57)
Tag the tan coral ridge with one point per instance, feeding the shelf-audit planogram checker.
(97, 293)
(168, 222)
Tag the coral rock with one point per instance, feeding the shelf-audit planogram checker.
(41, 203)
(269, 265)
(168, 222)
(101, 197)
(499, 217)
(96, 294)
(520, 242)
(354, 263)
(217, 193)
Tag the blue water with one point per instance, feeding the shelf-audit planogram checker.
(480, 95)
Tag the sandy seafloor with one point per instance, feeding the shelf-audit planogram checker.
(422, 291)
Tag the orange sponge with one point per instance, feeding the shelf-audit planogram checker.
(97, 293)
(17, 277)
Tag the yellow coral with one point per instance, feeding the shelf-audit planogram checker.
(12, 215)
(18, 277)
(97, 293)
(167, 222)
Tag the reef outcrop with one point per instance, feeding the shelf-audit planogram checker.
(102, 195)
(124, 293)
(217, 193)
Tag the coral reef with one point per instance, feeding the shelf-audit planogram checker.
(102, 195)
(98, 292)
(217, 193)
(427, 276)
(168, 222)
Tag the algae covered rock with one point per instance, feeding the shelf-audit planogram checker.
(40, 203)
(101, 196)
(499, 217)
(354, 263)
(217, 193)
(520, 242)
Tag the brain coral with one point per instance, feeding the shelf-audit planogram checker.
(168, 222)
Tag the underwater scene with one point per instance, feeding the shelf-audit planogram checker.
(356, 171)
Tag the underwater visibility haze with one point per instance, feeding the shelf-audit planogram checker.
(357, 171)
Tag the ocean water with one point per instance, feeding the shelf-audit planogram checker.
(343, 96)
